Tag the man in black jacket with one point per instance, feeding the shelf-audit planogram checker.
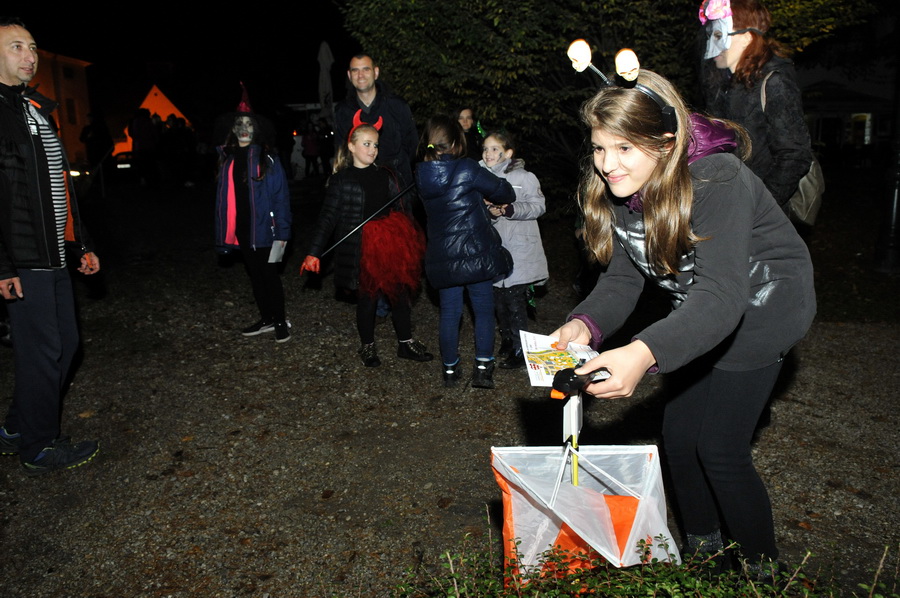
(398, 137)
(38, 219)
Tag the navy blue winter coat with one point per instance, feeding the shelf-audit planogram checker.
(463, 247)
(270, 203)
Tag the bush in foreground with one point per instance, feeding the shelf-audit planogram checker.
(477, 572)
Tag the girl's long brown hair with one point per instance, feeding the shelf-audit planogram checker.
(442, 135)
(667, 196)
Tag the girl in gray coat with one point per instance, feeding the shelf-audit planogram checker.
(518, 228)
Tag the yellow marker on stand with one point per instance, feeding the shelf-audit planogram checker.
(571, 427)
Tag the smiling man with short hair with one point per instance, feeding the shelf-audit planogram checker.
(39, 220)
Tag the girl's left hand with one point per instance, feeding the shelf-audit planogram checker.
(627, 366)
(496, 211)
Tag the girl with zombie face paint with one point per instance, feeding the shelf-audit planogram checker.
(253, 214)
(673, 206)
(742, 66)
(384, 258)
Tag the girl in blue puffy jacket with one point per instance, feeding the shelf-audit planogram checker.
(463, 252)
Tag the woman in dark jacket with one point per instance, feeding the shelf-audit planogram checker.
(470, 126)
(744, 65)
(464, 252)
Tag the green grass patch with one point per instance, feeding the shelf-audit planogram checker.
(476, 570)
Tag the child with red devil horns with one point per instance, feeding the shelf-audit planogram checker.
(381, 248)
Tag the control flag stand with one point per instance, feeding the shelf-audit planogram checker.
(581, 501)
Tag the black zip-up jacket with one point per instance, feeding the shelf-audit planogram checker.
(27, 220)
(343, 210)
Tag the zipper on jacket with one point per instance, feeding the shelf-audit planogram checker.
(40, 198)
(251, 196)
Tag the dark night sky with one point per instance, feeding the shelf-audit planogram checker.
(199, 63)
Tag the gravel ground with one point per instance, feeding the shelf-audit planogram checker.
(241, 467)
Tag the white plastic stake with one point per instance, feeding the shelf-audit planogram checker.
(572, 419)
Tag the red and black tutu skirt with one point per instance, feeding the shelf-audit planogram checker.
(391, 256)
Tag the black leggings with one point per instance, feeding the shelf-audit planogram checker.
(401, 316)
(511, 307)
(266, 283)
(707, 430)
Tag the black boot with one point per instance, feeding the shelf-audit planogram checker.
(514, 360)
(483, 374)
(451, 375)
(764, 571)
(369, 356)
(709, 548)
(413, 350)
(705, 543)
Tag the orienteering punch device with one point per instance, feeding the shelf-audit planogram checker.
(567, 383)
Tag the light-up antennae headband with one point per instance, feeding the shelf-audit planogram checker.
(627, 68)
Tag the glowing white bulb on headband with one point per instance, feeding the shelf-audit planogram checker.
(627, 65)
(580, 54)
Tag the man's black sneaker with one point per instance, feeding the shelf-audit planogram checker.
(62, 454)
(413, 350)
(369, 355)
(258, 328)
(282, 332)
(9, 443)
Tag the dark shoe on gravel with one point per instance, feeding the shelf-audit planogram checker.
(258, 328)
(282, 332)
(451, 375)
(9, 443)
(514, 360)
(413, 350)
(483, 374)
(62, 454)
(369, 355)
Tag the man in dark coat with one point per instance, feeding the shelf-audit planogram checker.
(398, 136)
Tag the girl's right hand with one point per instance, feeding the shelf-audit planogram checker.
(573, 331)
(310, 264)
(626, 365)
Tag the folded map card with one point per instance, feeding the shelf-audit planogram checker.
(543, 359)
